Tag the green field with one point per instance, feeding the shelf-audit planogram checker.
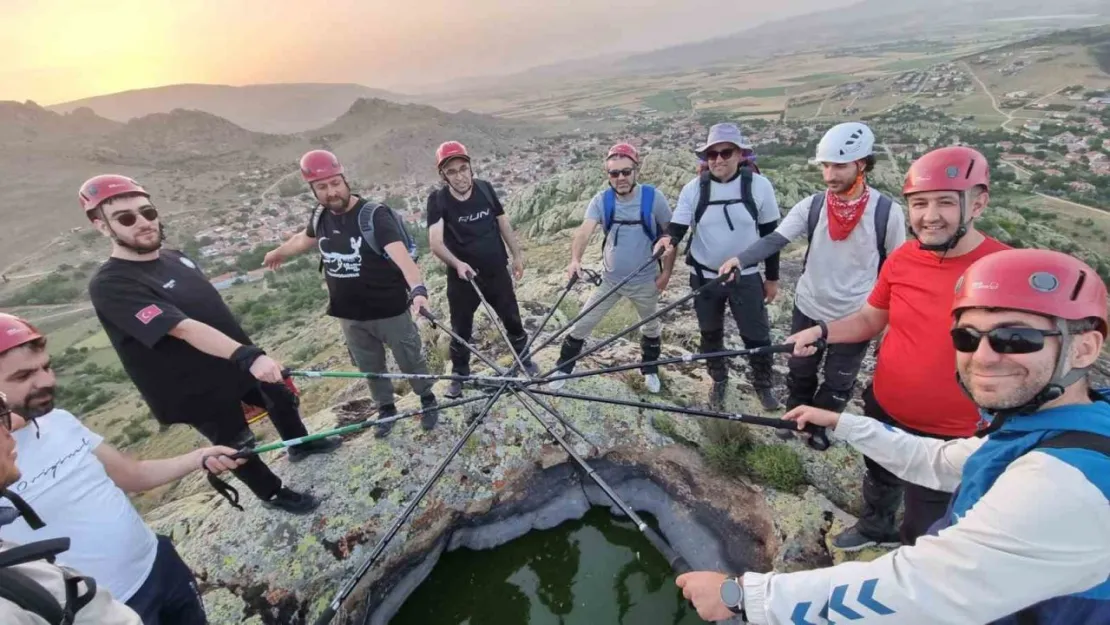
(908, 64)
(822, 77)
(668, 101)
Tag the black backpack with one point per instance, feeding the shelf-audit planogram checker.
(746, 198)
(366, 227)
(882, 217)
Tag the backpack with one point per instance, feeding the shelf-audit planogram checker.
(882, 216)
(483, 187)
(647, 216)
(746, 198)
(30, 596)
(366, 227)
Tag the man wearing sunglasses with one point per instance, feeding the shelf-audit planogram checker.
(179, 343)
(851, 228)
(632, 216)
(78, 484)
(1026, 538)
(913, 387)
(739, 208)
(468, 230)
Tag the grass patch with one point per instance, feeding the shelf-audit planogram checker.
(815, 77)
(668, 101)
(732, 450)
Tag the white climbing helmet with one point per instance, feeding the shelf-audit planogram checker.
(846, 142)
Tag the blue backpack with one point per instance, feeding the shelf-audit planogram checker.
(647, 217)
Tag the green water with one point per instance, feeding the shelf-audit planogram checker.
(597, 570)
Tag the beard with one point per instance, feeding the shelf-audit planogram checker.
(337, 204)
(36, 404)
(139, 248)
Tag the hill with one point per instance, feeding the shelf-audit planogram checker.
(276, 108)
(30, 122)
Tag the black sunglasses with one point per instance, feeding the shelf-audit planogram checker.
(724, 154)
(1017, 340)
(626, 172)
(128, 219)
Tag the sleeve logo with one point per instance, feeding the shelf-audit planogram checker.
(148, 314)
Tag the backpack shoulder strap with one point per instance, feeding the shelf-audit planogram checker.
(647, 211)
(816, 205)
(746, 196)
(608, 209)
(882, 218)
(366, 225)
(1078, 440)
(317, 220)
(703, 197)
(487, 190)
(24, 591)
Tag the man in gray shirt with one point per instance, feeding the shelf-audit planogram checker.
(632, 216)
(729, 208)
(851, 228)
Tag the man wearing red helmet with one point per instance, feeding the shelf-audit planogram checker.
(78, 485)
(632, 216)
(468, 230)
(372, 281)
(179, 343)
(1025, 538)
(945, 191)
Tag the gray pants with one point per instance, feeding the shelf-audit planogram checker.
(645, 297)
(367, 341)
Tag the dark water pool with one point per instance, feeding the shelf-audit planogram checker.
(597, 570)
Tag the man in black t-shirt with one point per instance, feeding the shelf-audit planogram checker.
(468, 230)
(179, 342)
(370, 291)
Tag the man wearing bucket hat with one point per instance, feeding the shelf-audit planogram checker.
(1025, 538)
(913, 387)
(728, 208)
(468, 230)
(179, 342)
(632, 216)
(851, 228)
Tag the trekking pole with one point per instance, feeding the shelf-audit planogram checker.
(329, 612)
(532, 339)
(616, 287)
(818, 440)
(785, 348)
(674, 559)
(659, 313)
(500, 327)
(403, 376)
(493, 365)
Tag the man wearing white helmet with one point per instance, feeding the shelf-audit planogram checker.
(851, 228)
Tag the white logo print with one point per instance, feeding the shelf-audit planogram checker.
(170, 284)
(339, 265)
(463, 219)
(188, 263)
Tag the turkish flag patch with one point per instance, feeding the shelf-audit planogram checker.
(148, 314)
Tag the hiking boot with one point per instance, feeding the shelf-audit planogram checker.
(454, 390)
(717, 394)
(557, 384)
(852, 539)
(531, 368)
(651, 381)
(768, 399)
(385, 412)
(430, 416)
(288, 500)
(318, 446)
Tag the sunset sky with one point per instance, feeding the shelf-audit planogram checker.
(59, 50)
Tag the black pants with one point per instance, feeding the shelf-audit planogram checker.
(744, 297)
(842, 363)
(169, 596)
(497, 287)
(882, 490)
(226, 425)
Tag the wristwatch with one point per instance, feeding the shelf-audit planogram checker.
(732, 595)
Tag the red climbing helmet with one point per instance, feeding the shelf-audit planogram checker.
(1042, 282)
(955, 168)
(318, 165)
(15, 332)
(449, 150)
(624, 149)
(98, 189)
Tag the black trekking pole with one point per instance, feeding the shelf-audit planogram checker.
(674, 559)
(329, 612)
(500, 329)
(404, 376)
(616, 287)
(539, 329)
(659, 313)
(818, 440)
(784, 348)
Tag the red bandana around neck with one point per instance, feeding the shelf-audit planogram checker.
(845, 214)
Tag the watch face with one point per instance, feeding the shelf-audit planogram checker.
(731, 593)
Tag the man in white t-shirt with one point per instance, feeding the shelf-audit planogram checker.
(76, 483)
(851, 228)
(727, 209)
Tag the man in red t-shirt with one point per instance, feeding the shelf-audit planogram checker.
(915, 386)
